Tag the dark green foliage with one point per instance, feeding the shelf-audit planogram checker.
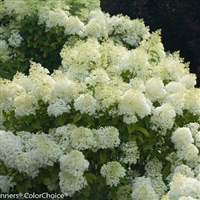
(37, 45)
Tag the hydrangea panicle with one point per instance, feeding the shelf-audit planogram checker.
(112, 171)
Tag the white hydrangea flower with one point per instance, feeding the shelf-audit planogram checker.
(42, 83)
(58, 108)
(40, 151)
(154, 172)
(107, 137)
(159, 186)
(15, 39)
(186, 198)
(112, 171)
(52, 18)
(6, 183)
(9, 91)
(98, 75)
(113, 53)
(163, 118)
(142, 189)
(82, 138)
(192, 101)
(133, 102)
(10, 147)
(181, 186)
(69, 183)
(28, 154)
(182, 137)
(189, 80)
(27, 162)
(71, 177)
(165, 197)
(175, 87)
(96, 27)
(79, 60)
(124, 192)
(45, 148)
(184, 170)
(3, 44)
(153, 45)
(85, 103)
(189, 153)
(172, 68)
(107, 95)
(154, 89)
(4, 51)
(73, 26)
(177, 101)
(21, 8)
(25, 104)
(194, 127)
(153, 168)
(61, 136)
(59, 90)
(23, 81)
(131, 153)
(137, 84)
(74, 163)
(197, 139)
(129, 31)
(136, 62)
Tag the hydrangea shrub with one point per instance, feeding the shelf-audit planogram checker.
(119, 118)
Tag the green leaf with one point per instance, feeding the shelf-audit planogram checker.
(89, 120)
(115, 120)
(144, 131)
(29, 44)
(18, 178)
(30, 30)
(114, 192)
(61, 120)
(34, 44)
(36, 37)
(90, 177)
(155, 53)
(86, 191)
(146, 120)
(28, 183)
(121, 127)
(55, 173)
(140, 138)
(77, 116)
(53, 45)
(109, 123)
(132, 138)
(103, 55)
(103, 156)
(102, 120)
(166, 170)
(43, 175)
(131, 127)
(82, 197)
(50, 168)
(59, 39)
(36, 124)
(123, 180)
(21, 188)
